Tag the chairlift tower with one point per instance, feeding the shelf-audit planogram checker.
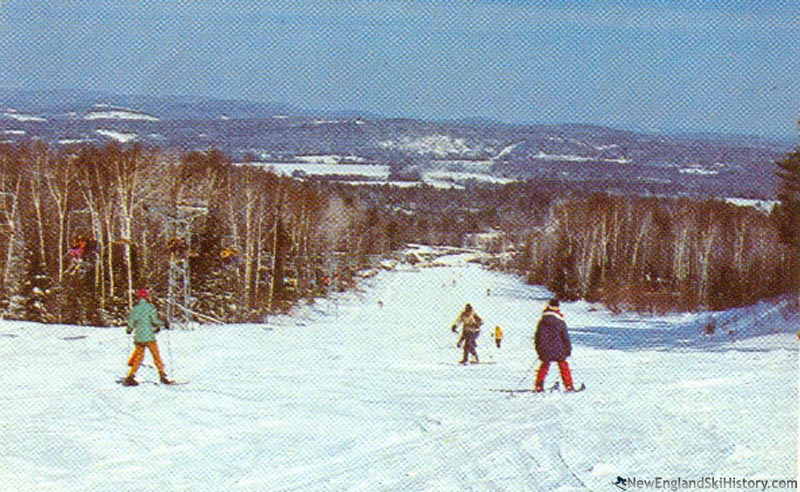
(178, 222)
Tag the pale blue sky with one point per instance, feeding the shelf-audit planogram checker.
(729, 66)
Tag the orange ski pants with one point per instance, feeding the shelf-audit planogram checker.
(138, 356)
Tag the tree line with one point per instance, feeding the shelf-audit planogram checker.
(83, 227)
(657, 254)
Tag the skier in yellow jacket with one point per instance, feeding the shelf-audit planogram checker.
(498, 336)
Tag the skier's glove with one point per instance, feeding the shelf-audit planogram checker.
(458, 345)
(453, 328)
(128, 330)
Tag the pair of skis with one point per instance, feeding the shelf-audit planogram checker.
(157, 383)
(555, 387)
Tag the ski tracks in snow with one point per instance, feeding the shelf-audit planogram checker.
(520, 449)
(422, 426)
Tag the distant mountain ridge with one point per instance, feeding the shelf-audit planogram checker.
(600, 157)
(63, 102)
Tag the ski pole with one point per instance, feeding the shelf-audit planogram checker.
(129, 349)
(169, 349)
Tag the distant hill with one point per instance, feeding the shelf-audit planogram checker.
(597, 157)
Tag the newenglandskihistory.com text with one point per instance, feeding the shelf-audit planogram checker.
(705, 483)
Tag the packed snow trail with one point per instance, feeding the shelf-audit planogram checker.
(357, 394)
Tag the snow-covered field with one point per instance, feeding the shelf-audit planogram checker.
(372, 174)
(378, 172)
(353, 394)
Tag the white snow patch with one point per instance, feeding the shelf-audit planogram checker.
(288, 169)
(72, 141)
(329, 159)
(702, 169)
(440, 145)
(763, 205)
(462, 164)
(320, 122)
(119, 114)
(698, 171)
(561, 157)
(605, 147)
(506, 151)
(577, 158)
(13, 114)
(118, 136)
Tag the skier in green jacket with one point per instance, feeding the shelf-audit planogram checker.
(144, 323)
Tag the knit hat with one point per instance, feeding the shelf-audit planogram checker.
(553, 302)
(143, 294)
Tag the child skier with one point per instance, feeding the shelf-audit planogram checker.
(552, 344)
(498, 335)
(144, 323)
(471, 324)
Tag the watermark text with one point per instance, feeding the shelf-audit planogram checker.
(704, 483)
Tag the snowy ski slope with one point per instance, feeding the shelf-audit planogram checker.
(351, 395)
